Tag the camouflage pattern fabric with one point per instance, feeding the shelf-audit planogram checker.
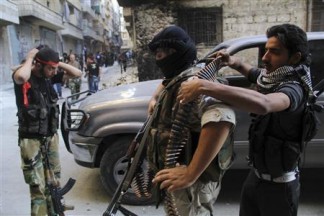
(75, 86)
(33, 171)
(198, 199)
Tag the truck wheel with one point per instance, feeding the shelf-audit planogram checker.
(113, 167)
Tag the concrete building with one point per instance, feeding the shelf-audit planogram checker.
(71, 36)
(64, 25)
(210, 22)
(127, 40)
(8, 17)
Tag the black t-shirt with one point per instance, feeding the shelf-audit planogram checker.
(93, 69)
(57, 78)
(45, 88)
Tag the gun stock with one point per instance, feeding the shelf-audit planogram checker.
(57, 197)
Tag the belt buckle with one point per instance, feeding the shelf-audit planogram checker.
(266, 177)
(286, 177)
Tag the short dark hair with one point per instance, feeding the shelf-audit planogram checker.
(47, 56)
(293, 38)
(90, 56)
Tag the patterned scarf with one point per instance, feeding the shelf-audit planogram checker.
(268, 83)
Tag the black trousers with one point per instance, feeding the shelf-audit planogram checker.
(265, 198)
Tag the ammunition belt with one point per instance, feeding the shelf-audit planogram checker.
(179, 136)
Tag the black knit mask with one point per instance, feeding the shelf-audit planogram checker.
(176, 38)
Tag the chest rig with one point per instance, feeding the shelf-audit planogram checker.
(38, 113)
(272, 152)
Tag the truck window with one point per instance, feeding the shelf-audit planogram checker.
(316, 48)
(248, 55)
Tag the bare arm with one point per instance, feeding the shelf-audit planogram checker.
(233, 62)
(241, 98)
(154, 98)
(70, 70)
(22, 74)
(212, 137)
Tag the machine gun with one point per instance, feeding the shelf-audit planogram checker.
(53, 185)
(135, 156)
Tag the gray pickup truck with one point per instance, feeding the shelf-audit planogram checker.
(100, 129)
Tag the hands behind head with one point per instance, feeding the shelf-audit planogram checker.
(32, 53)
(39, 47)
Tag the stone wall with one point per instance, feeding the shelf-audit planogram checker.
(240, 18)
(254, 17)
(149, 20)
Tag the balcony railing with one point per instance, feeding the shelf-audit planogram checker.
(89, 32)
(89, 10)
(46, 17)
(72, 31)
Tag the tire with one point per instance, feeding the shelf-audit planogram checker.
(113, 167)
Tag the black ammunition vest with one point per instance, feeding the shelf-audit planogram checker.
(40, 117)
(275, 143)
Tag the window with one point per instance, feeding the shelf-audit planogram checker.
(318, 15)
(204, 25)
(316, 49)
(71, 9)
(251, 55)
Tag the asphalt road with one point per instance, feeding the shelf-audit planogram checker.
(88, 195)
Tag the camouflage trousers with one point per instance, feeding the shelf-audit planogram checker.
(32, 164)
(75, 86)
(198, 199)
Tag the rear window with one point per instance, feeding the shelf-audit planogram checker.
(249, 55)
(316, 48)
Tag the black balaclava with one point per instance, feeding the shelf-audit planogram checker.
(176, 38)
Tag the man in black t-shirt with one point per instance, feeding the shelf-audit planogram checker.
(93, 72)
(57, 81)
(275, 136)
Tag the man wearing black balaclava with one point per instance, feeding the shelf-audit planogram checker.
(183, 51)
(184, 153)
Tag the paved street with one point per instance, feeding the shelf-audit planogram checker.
(88, 195)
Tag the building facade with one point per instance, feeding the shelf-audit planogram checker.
(8, 17)
(67, 26)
